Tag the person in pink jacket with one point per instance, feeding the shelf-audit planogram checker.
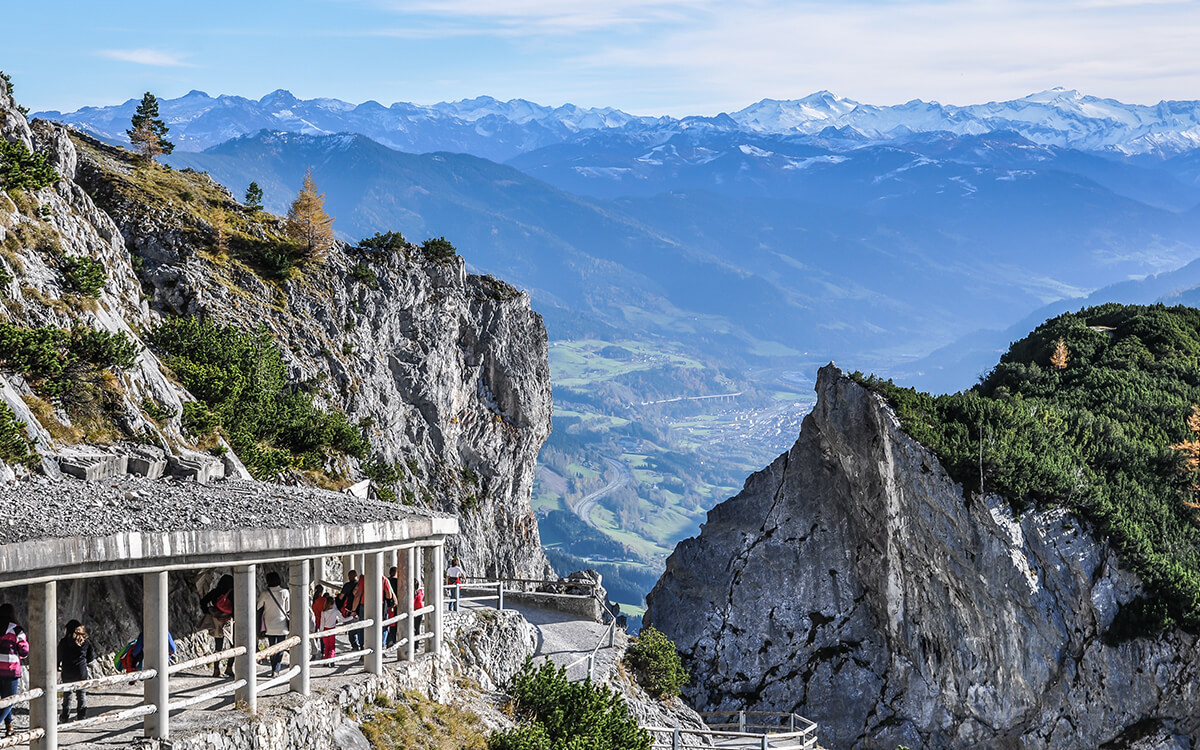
(14, 647)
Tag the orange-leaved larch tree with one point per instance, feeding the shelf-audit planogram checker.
(1191, 458)
(307, 222)
(1061, 356)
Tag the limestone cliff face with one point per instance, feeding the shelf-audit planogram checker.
(447, 371)
(850, 582)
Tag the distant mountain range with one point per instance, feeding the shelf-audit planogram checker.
(694, 273)
(500, 130)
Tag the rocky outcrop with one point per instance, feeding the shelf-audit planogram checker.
(449, 370)
(851, 582)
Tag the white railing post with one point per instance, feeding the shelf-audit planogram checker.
(435, 578)
(43, 662)
(298, 616)
(765, 746)
(373, 610)
(500, 589)
(245, 633)
(406, 570)
(675, 740)
(156, 653)
(791, 722)
(742, 721)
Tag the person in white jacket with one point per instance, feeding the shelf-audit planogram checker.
(275, 615)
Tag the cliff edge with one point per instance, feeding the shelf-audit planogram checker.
(850, 582)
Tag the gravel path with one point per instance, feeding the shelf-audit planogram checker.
(40, 508)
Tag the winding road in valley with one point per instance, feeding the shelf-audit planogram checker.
(584, 507)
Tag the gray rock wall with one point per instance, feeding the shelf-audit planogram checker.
(851, 583)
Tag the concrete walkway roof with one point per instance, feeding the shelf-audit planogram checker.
(70, 527)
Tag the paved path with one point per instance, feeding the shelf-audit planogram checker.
(584, 507)
(207, 715)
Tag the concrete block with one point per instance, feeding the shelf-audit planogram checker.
(94, 468)
(147, 467)
(202, 470)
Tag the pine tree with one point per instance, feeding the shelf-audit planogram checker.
(254, 197)
(147, 133)
(1061, 356)
(307, 222)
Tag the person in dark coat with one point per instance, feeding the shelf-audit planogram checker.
(217, 606)
(75, 651)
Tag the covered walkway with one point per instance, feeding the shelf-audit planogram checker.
(247, 525)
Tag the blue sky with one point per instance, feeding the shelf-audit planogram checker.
(668, 57)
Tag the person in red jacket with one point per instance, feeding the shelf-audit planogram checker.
(14, 647)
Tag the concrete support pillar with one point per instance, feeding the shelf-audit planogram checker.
(435, 578)
(347, 566)
(299, 615)
(43, 662)
(245, 633)
(406, 573)
(373, 610)
(318, 570)
(156, 653)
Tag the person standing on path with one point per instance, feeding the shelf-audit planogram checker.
(346, 602)
(14, 647)
(418, 603)
(276, 609)
(75, 651)
(218, 620)
(454, 577)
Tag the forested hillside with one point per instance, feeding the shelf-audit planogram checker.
(1095, 410)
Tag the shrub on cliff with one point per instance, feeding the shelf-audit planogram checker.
(56, 361)
(240, 381)
(21, 169)
(438, 249)
(1085, 412)
(15, 446)
(388, 242)
(655, 662)
(556, 714)
(84, 275)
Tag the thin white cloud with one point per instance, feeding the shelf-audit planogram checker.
(157, 58)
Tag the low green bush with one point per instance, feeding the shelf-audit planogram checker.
(16, 449)
(390, 242)
(655, 662)
(363, 274)
(55, 361)
(438, 249)
(561, 715)
(21, 169)
(84, 275)
(240, 383)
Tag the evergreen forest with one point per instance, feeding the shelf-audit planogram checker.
(1094, 411)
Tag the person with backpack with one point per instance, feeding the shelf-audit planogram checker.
(75, 651)
(14, 646)
(276, 615)
(218, 620)
(360, 600)
(133, 658)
